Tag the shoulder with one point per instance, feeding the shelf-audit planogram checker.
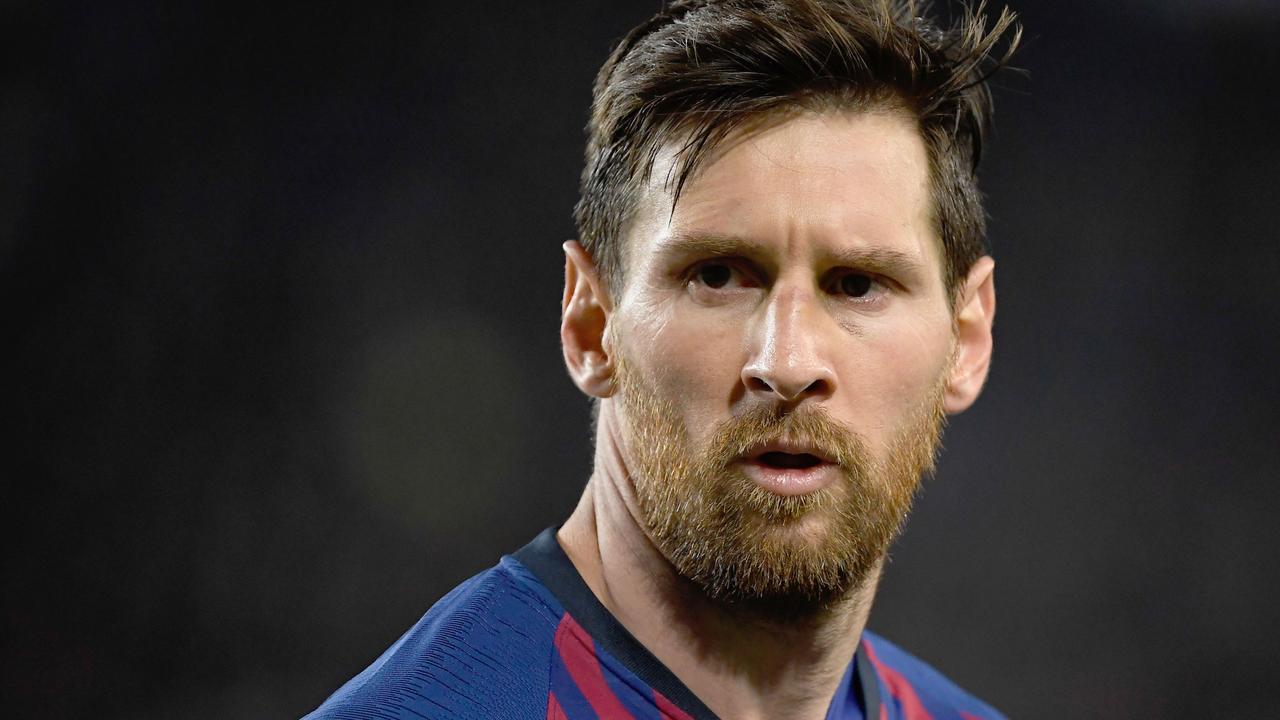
(482, 651)
(910, 689)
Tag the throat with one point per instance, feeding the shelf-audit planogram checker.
(743, 660)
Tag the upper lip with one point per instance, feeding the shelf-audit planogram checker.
(790, 447)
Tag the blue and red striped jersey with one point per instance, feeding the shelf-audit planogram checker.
(528, 639)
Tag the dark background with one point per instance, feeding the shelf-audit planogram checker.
(280, 293)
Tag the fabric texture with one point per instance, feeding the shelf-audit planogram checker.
(527, 639)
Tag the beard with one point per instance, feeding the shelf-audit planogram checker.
(744, 545)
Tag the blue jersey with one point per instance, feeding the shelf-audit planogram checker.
(528, 639)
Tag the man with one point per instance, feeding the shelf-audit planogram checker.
(779, 293)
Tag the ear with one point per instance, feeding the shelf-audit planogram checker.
(975, 313)
(584, 320)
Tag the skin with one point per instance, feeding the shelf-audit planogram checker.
(791, 209)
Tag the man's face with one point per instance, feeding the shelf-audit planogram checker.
(783, 341)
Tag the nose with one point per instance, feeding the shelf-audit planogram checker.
(788, 364)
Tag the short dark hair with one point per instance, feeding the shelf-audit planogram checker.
(701, 69)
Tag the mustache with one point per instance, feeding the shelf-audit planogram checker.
(811, 426)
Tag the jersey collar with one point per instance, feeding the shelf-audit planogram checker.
(548, 561)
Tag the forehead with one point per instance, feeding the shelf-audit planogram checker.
(817, 181)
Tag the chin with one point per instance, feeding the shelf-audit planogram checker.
(809, 533)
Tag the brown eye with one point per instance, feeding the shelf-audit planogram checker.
(714, 276)
(855, 285)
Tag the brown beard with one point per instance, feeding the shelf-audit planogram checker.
(745, 545)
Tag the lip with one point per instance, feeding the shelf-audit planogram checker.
(789, 481)
(785, 446)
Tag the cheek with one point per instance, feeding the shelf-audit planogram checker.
(693, 360)
(889, 373)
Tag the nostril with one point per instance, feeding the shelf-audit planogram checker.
(818, 387)
(788, 387)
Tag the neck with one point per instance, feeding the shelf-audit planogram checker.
(742, 661)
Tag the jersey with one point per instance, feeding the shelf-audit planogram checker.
(527, 639)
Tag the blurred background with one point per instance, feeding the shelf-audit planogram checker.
(279, 291)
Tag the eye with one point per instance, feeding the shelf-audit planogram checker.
(721, 280)
(714, 275)
(855, 285)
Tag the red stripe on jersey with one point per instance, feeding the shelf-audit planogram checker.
(554, 711)
(966, 716)
(579, 654)
(668, 709)
(899, 688)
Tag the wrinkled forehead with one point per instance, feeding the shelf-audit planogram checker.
(851, 174)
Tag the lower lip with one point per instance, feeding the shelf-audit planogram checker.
(791, 481)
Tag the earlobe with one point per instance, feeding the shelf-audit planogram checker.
(584, 320)
(974, 317)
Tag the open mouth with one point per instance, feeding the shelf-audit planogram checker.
(790, 468)
(789, 461)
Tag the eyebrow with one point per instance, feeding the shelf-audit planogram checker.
(883, 261)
